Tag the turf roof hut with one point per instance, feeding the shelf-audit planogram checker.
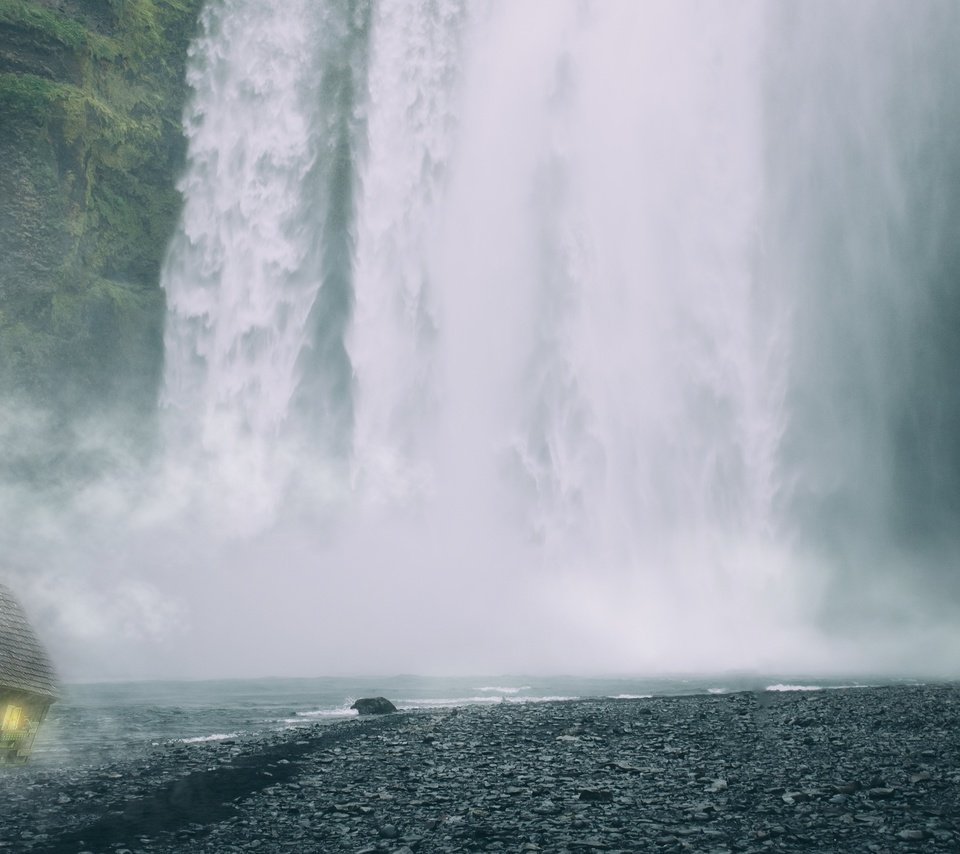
(27, 681)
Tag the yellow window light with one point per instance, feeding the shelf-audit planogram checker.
(12, 718)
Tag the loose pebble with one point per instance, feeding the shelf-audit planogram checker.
(851, 770)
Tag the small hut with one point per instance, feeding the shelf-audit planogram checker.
(27, 681)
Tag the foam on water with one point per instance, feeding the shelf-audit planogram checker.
(496, 689)
(482, 700)
(832, 687)
(783, 687)
(217, 736)
(341, 712)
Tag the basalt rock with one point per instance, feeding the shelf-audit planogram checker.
(494, 778)
(374, 706)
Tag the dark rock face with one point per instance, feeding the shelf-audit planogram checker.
(91, 95)
(374, 706)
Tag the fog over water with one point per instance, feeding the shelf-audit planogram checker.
(539, 337)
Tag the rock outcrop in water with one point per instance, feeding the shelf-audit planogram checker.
(374, 706)
(91, 94)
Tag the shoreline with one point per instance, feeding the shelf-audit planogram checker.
(851, 769)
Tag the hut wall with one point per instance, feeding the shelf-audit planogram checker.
(20, 717)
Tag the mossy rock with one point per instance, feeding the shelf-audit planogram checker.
(91, 94)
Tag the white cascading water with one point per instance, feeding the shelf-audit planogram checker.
(517, 336)
(564, 386)
(411, 124)
(238, 280)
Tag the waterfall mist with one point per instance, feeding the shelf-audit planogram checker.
(503, 337)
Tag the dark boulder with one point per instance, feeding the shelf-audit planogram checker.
(374, 706)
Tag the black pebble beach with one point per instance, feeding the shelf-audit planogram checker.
(849, 770)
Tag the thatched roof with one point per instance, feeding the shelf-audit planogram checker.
(24, 664)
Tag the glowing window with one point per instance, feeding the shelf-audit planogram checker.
(12, 717)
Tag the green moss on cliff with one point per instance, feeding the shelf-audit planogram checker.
(28, 96)
(91, 94)
(42, 23)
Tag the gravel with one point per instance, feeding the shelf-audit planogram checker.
(847, 770)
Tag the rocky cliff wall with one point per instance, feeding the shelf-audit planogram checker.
(91, 94)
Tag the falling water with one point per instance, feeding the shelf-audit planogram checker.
(862, 188)
(492, 272)
(608, 335)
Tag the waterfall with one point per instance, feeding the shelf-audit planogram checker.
(489, 278)
(486, 248)
(861, 183)
(581, 335)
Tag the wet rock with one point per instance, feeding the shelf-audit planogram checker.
(496, 779)
(374, 706)
(912, 835)
(596, 795)
(846, 788)
(881, 793)
(621, 765)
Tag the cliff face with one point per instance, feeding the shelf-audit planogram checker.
(91, 94)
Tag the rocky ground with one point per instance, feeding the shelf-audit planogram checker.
(832, 771)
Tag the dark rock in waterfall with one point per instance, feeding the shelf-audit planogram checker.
(374, 706)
